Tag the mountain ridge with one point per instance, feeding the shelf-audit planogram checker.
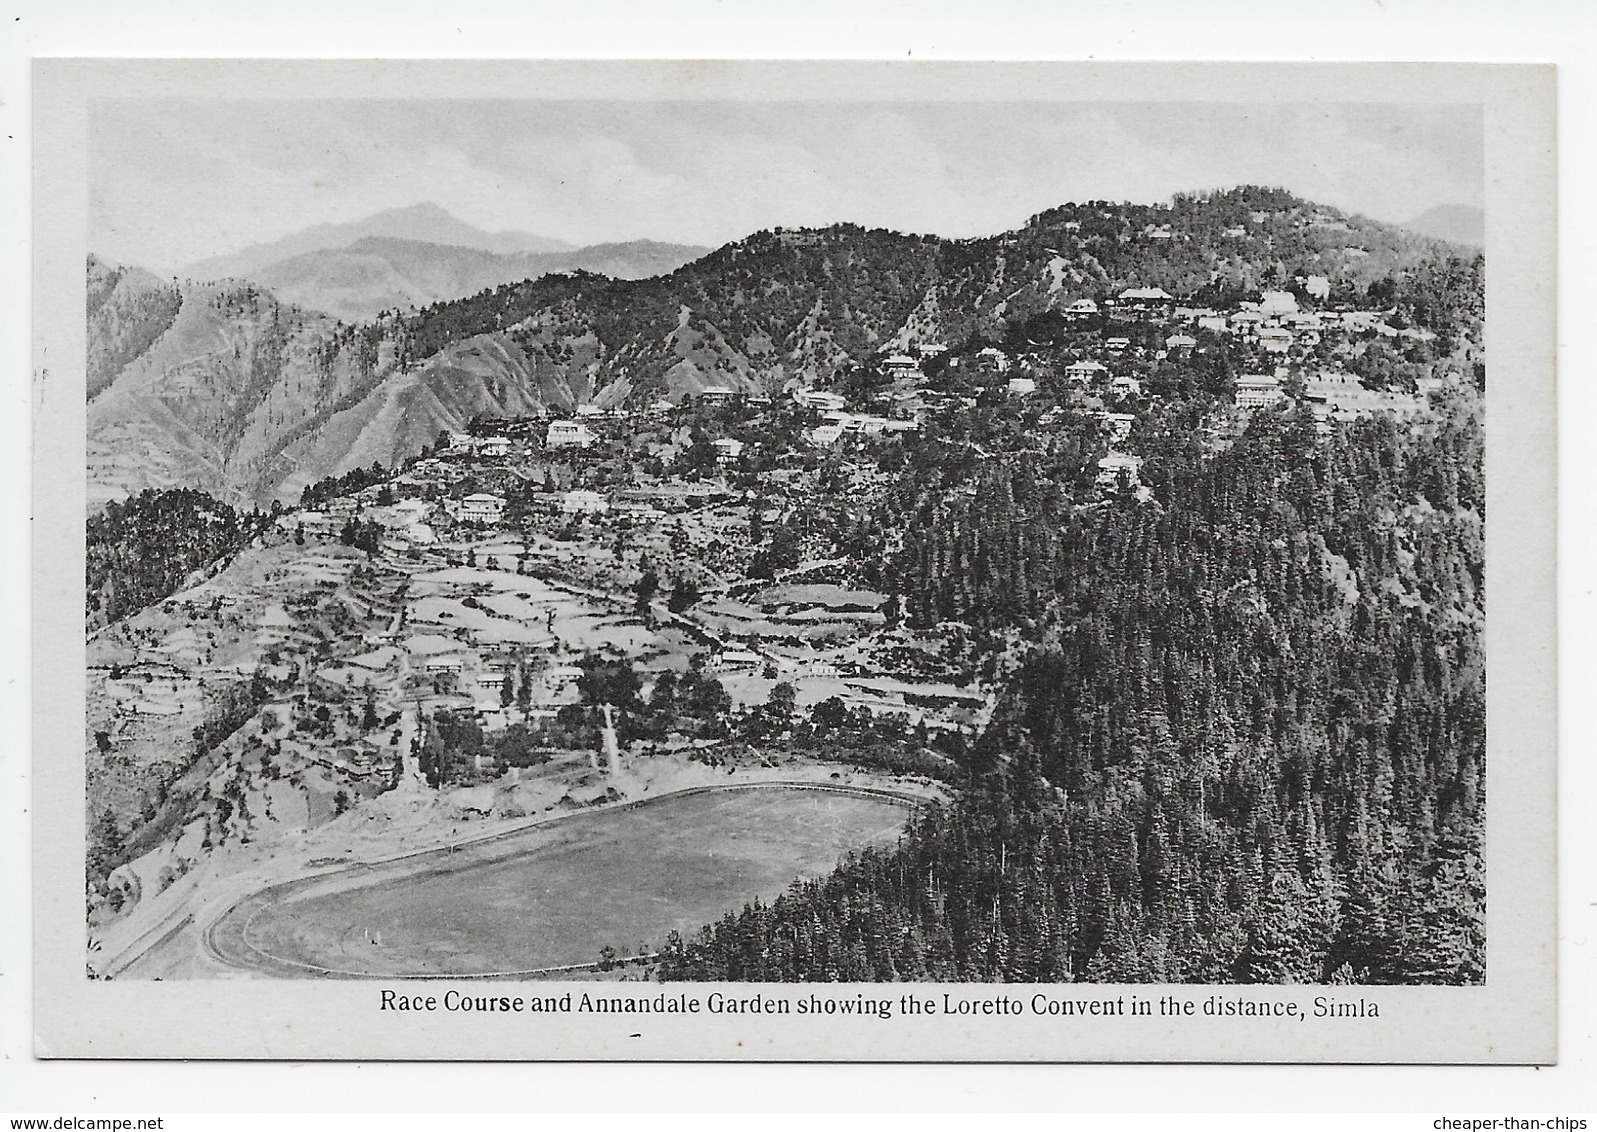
(1456, 223)
(270, 397)
(358, 282)
(425, 222)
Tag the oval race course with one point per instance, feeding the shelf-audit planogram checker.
(550, 896)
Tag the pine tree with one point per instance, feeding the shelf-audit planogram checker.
(523, 692)
(1281, 944)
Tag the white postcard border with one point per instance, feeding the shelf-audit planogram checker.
(1511, 1019)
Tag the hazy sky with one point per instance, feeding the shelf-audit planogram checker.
(175, 181)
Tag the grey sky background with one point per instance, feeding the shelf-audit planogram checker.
(173, 181)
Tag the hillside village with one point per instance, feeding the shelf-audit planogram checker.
(705, 540)
(226, 386)
(565, 602)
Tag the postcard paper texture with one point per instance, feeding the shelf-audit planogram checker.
(967, 562)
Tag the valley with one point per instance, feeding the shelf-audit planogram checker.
(1099, 601)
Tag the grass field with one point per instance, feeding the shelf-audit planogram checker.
(554, 895)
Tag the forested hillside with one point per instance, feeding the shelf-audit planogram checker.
(1244, 740)
(359, 282)
(252, 399)
(142, 549)
(784, 304)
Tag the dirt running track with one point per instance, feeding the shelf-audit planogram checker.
(546, 898)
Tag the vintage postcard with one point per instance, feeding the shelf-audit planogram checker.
(794, 561)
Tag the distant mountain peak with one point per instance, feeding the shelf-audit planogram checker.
(1456, 223)
(426, 209)
(425, 222)
(375, 273)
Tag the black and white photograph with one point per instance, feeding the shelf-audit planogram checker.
(774, 539)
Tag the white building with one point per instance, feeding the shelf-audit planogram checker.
(1361, 320)
(996, 356)
(1022, 385)
(583, 502)
(1259, 391)
(727, 450)
(1085, 371)
(1144, 303)
(637, 509)
(1278, 304)
(567, 433)
(494, 446)
(561, 678)
(1119, 424)
(1110, 467)
(1276, 339)
(816, 399)
(1246, 321)
(901, 366)
(738, 661)
(482, 508)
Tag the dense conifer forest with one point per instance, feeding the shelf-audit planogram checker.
(1244, 742)
(141, 549)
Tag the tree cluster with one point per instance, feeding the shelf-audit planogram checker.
(143, 548)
